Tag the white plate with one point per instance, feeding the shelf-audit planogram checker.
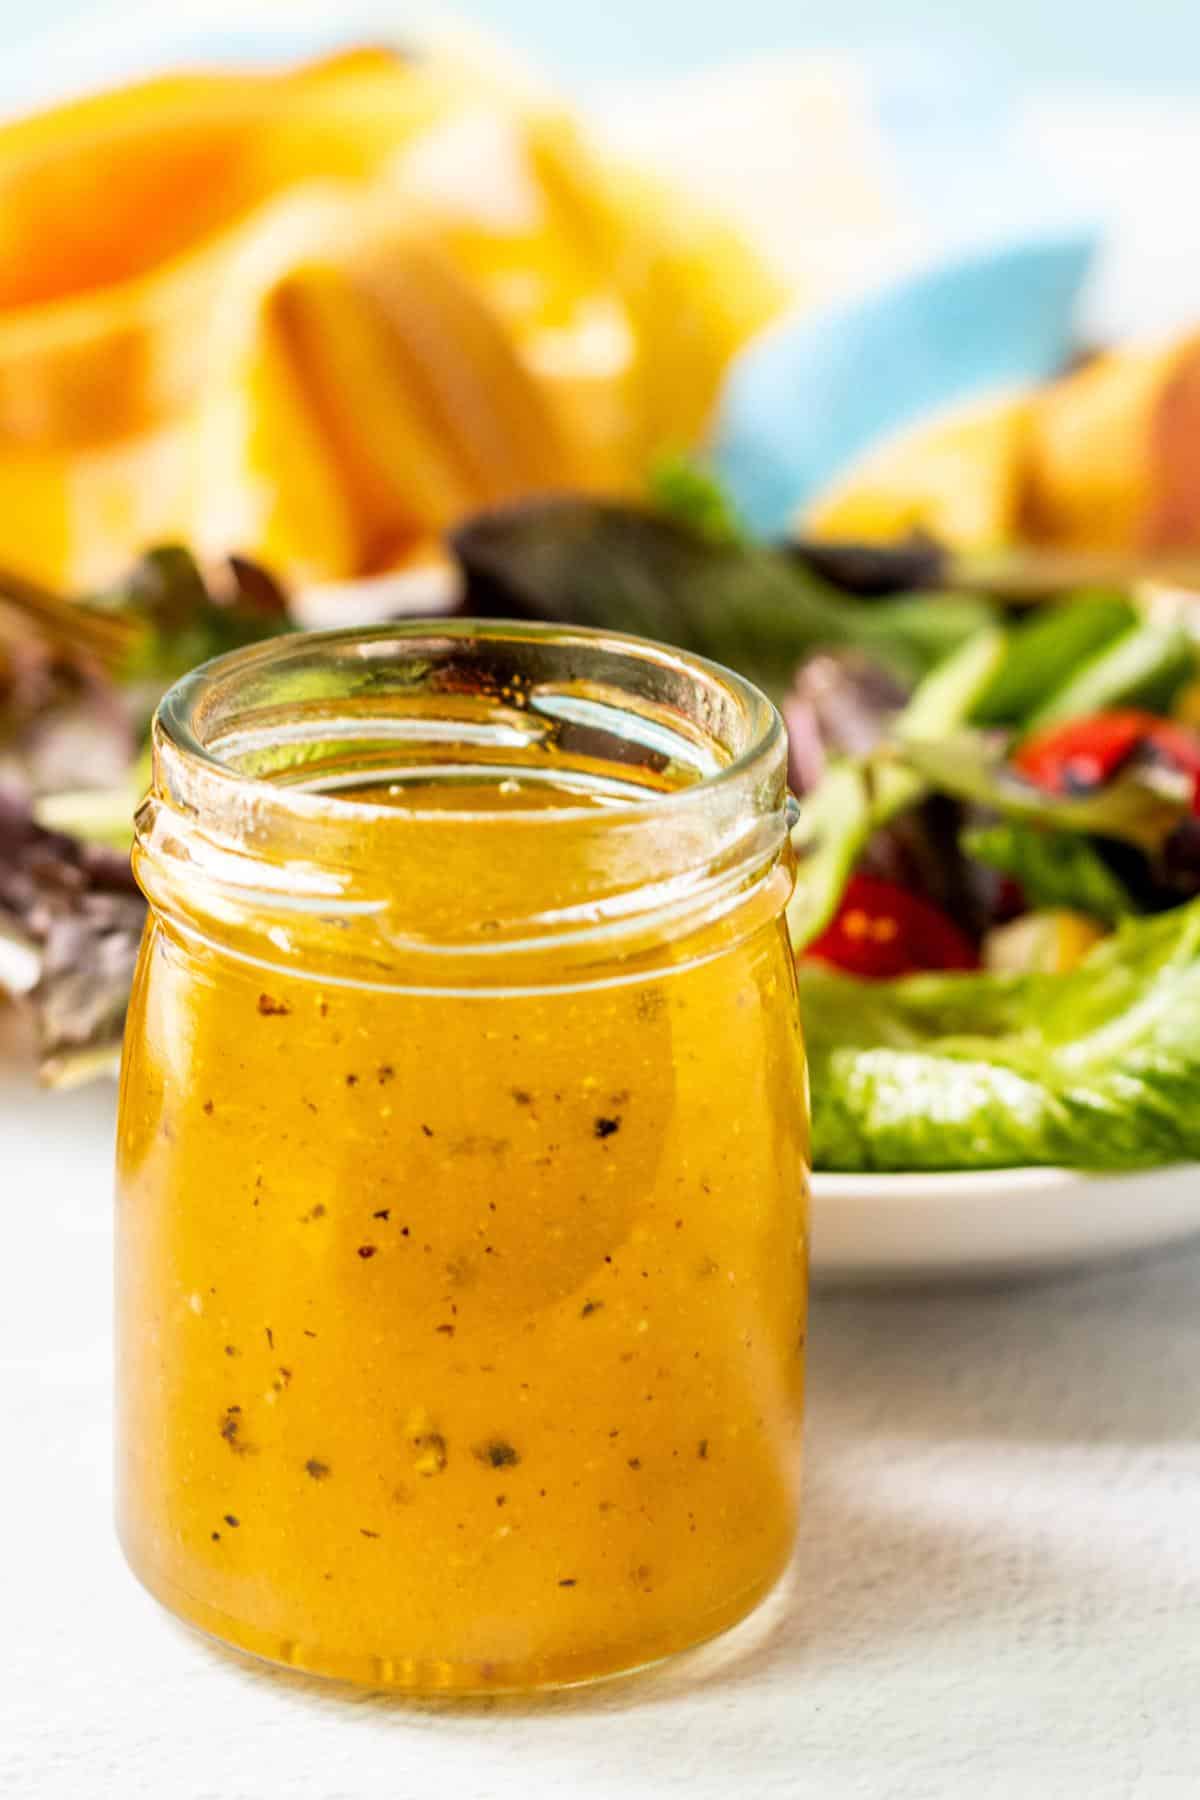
(994, 1222)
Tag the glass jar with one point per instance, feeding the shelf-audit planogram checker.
(462, 1157)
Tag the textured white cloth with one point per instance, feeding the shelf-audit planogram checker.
(998, 1593)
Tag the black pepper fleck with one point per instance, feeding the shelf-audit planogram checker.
(383, 1213)
(589, 1307)
(702, 1450)
(366, 1251)
(496, 1453)
(568, 1581)
(272, 1009)
(232, 1519)
(317, 1469)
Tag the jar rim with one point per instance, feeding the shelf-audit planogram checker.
(178, 733)
(280, 857)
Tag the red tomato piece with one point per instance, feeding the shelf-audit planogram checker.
(881, 931)
(1086, 753)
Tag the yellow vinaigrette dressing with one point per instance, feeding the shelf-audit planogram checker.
(462, 1158)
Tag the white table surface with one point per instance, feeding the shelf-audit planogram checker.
(997, 1595)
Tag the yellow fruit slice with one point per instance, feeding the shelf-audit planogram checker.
(1115, 453)
(236, 309)
(117, 217)
(960, 478)
(415, 385)
(265, 475)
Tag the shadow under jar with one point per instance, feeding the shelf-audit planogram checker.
(462, 1158)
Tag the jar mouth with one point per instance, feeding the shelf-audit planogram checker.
(482, 794)
(251, 715)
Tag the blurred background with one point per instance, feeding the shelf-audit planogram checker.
(1154, 45)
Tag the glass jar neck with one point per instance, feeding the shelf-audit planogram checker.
(463, 803)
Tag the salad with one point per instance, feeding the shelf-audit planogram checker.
(997, 916)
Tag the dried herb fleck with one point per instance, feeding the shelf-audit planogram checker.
(589, 1307)
(363, 1532)
(232, 1519)
(231, 1430)
(702, 1450)
(496, 1453)
(568, 1581)
(383, 1213)
(317, 1469)
(272, 1009)
(384, 1074)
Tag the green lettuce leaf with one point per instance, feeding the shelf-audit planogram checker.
(1096, 1069)
(1047, 651)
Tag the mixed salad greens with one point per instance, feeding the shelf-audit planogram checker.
(997, 920)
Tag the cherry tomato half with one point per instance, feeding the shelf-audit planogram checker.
(881, 931)
(1085, 753)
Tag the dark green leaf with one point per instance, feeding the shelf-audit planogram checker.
(621, 568)
(1053, 868)
(186, 617)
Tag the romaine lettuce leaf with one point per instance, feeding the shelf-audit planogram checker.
(1098, 1068)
